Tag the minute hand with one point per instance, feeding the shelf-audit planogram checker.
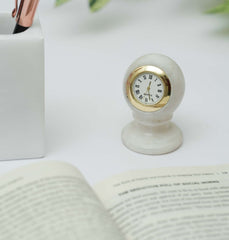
(148, 89)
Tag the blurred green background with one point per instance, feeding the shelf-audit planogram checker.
(95, 5)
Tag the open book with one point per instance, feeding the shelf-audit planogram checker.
(53, 201)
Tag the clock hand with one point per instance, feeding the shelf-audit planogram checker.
(148, 93)
(148, 89)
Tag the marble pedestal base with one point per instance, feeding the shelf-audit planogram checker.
(152, 140)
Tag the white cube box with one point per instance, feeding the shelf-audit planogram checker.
(21, 91)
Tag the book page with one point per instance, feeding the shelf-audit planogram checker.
(52, 201)
(170, 204)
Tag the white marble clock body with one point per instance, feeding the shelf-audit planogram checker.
(152, 132)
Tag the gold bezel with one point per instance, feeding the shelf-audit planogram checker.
(159, 73)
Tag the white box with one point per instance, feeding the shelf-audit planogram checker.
(21, 91)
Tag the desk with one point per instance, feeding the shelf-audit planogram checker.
(86, 53)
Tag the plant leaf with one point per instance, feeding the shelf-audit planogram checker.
(95, 5)
(222, 8)
(60, 2)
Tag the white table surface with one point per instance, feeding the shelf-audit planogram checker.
(86, 58)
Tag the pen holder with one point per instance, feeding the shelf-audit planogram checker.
(21, 91)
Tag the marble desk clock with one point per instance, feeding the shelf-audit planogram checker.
(153, 87)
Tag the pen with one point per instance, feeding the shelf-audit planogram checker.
(24, 14)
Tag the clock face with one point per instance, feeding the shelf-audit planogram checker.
(148, 88)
